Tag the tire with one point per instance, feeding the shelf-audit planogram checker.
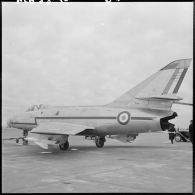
(177, 138)
(17, 141)
(25, 142)
(64, 146)
(99, 142)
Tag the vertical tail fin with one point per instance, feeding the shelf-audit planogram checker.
(157, 91)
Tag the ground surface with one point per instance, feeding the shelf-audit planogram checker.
(150, 164)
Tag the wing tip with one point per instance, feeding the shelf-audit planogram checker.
(182, 63)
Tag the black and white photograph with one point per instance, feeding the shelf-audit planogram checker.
(97, 97)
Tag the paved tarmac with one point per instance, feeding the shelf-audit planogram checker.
(150, 164)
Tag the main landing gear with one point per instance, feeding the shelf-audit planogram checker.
(99, 141)
(64, 146)
(25, 134)
(24, 141)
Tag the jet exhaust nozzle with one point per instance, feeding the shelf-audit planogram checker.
(164, 122)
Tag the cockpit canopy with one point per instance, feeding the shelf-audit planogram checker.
(36, 107)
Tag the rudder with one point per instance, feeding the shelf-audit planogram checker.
(157, 91)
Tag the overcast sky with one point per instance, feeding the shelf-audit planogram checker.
(90, 53)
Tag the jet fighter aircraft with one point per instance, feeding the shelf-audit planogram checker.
(144, 108)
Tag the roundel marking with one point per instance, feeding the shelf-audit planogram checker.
(123, 117)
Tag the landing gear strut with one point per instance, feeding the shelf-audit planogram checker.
(99, 141)
(17, 140)
(25, 134)
(64, 146)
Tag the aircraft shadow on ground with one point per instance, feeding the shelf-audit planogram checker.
(113, 147)
(76, 150)
(34, 150)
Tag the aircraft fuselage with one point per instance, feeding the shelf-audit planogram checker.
(105, 120)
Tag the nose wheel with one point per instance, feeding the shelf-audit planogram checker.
(64, 146)
(99, 141)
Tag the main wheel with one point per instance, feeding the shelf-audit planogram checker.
(25, 142)
(99, 141)
(177, 138)
(64, 146)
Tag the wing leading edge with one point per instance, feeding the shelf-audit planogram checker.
(57, 128)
